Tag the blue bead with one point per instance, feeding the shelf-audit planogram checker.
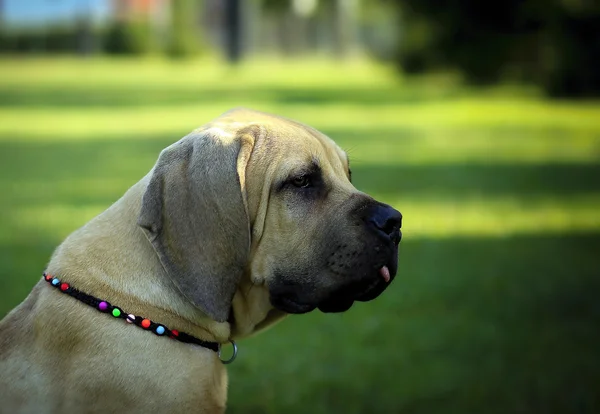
(55, 281)
(160, 329)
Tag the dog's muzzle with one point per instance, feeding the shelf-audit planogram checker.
(385, 222)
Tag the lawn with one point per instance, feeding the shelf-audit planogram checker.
(495, 308)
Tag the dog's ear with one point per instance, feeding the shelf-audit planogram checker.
(195, 214)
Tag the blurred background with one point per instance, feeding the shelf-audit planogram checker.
(480, 121)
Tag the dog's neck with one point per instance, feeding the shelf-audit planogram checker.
(111, 258)
(251, 310)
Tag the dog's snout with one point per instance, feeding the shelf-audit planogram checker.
(386, 219)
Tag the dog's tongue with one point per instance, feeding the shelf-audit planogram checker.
(385, 273)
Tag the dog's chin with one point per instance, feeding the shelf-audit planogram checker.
(336, 305)
(373, 291)
(338, 300)
(288, 305)
(343, 301)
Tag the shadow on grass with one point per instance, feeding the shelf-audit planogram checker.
(461, 180)
(125, 95)
(40, 172)
(470, 325)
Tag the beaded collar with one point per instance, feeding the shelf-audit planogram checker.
(144, 323)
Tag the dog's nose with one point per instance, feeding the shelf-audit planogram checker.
(386, 219)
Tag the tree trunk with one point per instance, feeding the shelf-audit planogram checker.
(345, 26)
(233, 30)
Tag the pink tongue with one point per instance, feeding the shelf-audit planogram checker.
(385, 272)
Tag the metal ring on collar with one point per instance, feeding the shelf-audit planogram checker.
(230, 360)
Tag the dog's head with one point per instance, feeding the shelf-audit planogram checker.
(263, 196)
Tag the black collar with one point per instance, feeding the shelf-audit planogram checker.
(146, 324)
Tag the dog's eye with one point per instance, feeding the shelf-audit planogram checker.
(301, 181)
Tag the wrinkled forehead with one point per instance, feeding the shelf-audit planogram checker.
(299, 143)
(304, 146)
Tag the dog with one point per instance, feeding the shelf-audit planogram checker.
(245, 220)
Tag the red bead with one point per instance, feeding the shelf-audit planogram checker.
(146, 323)
(174, 333)
(64, 287)
(48, 277)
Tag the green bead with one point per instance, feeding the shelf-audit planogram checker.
(116, 312)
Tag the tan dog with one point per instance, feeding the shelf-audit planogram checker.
(243, 221)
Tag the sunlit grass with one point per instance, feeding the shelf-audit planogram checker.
(497, 217)
(58, 124)
(151, 73)
(424, 218)
(435, 145)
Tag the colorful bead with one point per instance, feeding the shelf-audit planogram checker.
(55, 282)
(174, 333)
(64, 287)
(48, 277)
(116, 312)
(160, 329)
(130, 318)
(103, 306)
(146, 323)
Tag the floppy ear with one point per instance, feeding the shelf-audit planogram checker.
(194, 212)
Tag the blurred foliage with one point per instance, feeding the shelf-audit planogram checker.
(58, 38)
(134, 35)
(184, 36)
(552, 43)
(130, 37)
(276, 5)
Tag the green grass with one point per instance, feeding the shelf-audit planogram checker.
(495, 308)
